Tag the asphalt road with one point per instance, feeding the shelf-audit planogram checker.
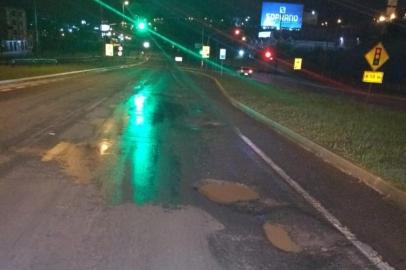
(103, 171)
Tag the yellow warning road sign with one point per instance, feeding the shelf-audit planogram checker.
(109, 49)
(377, 57)
(373, 77)
(298, 64)
(206, 52)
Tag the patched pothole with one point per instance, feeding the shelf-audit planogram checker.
(280, 238)
(227, 192)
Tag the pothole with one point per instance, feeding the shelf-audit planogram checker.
(280, 238)
(227, 192)
(312, 234)
(77, 160)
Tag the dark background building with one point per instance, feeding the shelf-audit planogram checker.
(13, 31)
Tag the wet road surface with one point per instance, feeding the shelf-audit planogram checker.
(116, 171)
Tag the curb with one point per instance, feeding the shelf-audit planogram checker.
(7, 82)
(381, 186)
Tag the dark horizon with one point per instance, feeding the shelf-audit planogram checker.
(68, 10)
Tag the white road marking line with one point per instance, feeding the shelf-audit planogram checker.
(365, 249)
(20, 86)
(6, 90)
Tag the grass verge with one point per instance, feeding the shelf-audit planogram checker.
(370, 136)
(8, 72)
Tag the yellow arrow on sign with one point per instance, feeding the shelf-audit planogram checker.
(377, 57)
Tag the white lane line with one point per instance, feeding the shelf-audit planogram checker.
(20, 86)
(6, 90)
(365, 249)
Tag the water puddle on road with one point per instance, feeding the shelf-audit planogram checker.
(280, 238)
(227, 192)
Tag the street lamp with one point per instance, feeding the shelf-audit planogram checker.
(36, 28)
(146, 44)
(125, 3)
(381, 19)
(339, 21)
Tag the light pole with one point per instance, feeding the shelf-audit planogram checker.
(125, 3)
(36, 28)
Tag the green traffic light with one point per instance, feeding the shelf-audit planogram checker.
(141, 26)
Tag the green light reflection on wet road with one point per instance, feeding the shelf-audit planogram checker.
(140, 138)
(148, 168)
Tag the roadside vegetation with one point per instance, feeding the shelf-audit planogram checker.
(9, 72)
(371, 136)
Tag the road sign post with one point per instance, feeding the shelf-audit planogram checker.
(376, 58)
(205, 53)
(373, 77)
(223, 55)
(109, 50)
(298, 64)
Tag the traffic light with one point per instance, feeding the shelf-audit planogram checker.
(146, 44)
(237, 32)
(142, 25)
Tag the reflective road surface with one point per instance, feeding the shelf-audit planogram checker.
(145, 168)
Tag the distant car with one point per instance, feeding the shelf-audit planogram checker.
(246, 71)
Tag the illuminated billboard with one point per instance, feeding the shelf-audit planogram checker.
(281, 16)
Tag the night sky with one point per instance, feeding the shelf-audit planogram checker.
(68, 10)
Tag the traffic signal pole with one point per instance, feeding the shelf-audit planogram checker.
(202, 62)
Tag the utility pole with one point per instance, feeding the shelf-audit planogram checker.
(124, 4)
(36, 28)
